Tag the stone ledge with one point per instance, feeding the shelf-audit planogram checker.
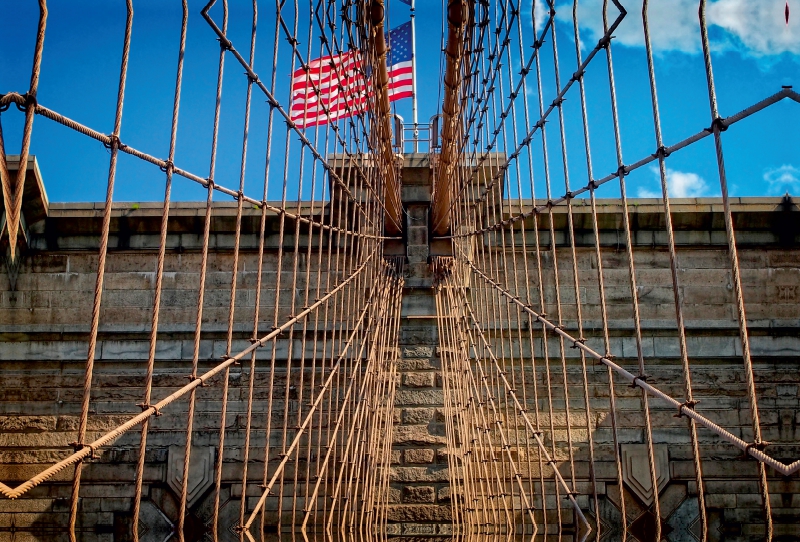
(419, 513)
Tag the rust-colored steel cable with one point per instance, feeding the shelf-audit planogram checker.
(744, 446)
(101, 268)
(310, 417)
(153, 339)
(12, 196)
(696, 459)
(722, 122)
(733, 254)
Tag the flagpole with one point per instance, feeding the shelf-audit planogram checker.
(414, 76)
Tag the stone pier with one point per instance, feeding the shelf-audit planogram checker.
(45, 307)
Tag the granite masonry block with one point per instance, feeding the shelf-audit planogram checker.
(418, 380)
(418, 352)
(418, 456)
(419, 494)
(417, 416)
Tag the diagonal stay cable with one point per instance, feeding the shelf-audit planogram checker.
(522, 412)
(14, 97)
(665, 151)
(497, 417)
(309, 415)
(275, 104)
(733, 255)
(747, 448)
(107, 438)
(501, 169)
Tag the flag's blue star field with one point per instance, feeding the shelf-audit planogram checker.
(400, 43)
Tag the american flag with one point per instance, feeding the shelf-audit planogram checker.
(398, 60)
(337, 83)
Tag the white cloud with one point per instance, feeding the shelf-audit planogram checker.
(645, 193)
(782, 179)
(753, 27)
(540, 14)
(681, 184)
(760, 27)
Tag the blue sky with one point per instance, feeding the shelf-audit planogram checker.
(755, 53)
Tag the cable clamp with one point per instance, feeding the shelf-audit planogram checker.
(147, 406)
(29, 101)
(576, 341)
(225, 43)
(685, 404)
(643, 378)
(608, 357)
(113, 139)
(193, 378)
(225, 357)
(621, 171)
(604, 42)
(662, 152)
(758, 445)
(168, 166)
(718, 124)
(78, 446)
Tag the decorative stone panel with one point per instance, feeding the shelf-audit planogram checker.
(636, 470)
(201, 471)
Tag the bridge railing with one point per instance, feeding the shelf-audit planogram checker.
(415, 137)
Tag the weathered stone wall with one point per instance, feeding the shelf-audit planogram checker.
(420, 479)
(44, 325)
(768, 257)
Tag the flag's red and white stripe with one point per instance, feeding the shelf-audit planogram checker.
(400, 81)
(330, 87)
(334, 87)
